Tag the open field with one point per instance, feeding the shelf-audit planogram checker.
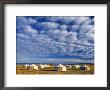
(51, 70)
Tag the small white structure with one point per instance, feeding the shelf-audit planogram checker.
(69, 66)
(77, 66)
(62, 67)
(33, 66)
(87, 67)
(26, 66)
(43, 66)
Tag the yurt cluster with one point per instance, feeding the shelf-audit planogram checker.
(59, 67)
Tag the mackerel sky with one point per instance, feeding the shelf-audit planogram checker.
(50, 37)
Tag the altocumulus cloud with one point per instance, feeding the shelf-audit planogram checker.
(55, 37)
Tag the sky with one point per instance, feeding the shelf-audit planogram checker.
(52, 38)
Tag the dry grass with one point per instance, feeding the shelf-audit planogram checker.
(21, 70)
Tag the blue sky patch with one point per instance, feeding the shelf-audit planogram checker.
(54, 37)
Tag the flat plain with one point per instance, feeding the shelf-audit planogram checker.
(20, 69)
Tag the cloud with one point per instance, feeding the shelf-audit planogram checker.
(80, 20)
(31, 21)
(48, 25)
(86, 33)
(29, 29)
(25, 21)
(24, 26)
(55, 36)
(71, 38)
(86, 28)
(70, 19)
(63, 27)
(22, 20)
(61, 19)
(70, 60)
(22, 35)
(75, 27)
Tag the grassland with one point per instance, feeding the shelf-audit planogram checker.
(51, 70)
